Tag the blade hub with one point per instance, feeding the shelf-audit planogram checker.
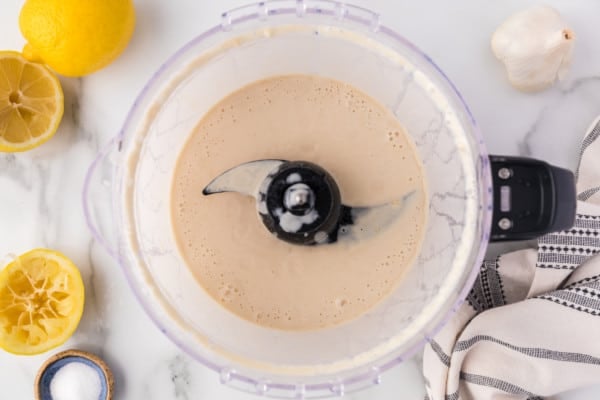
(299, 201)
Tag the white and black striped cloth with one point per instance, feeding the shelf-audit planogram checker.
(530, 327)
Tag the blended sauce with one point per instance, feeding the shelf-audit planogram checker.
(232, 254)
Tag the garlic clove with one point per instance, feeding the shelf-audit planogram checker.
(535, 46)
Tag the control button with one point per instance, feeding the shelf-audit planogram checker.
(505, 224)
(504, 173)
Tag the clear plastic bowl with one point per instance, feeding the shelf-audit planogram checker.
(132, 217)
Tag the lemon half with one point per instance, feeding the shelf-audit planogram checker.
(41, 302)
(31, 103)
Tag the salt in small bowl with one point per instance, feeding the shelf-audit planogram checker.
(59, 360)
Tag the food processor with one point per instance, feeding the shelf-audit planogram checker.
(472, 197)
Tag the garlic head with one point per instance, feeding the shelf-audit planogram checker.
(535, 46)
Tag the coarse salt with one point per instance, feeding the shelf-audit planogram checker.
(76, 381)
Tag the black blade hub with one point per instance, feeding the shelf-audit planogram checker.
(300, 203)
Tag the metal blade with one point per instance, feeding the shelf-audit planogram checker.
(369, 221)
(245, 178)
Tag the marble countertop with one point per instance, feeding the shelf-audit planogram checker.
(40, 199)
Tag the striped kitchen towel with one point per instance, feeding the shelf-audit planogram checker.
(530, 327)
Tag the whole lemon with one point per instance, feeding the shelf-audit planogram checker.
(76, 37)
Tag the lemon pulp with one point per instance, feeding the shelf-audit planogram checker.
(31, 103)
(41, 302)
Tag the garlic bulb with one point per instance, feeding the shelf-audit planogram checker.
(535, 46)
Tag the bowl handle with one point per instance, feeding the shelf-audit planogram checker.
(97, 197)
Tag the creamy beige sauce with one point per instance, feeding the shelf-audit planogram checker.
(238, 261)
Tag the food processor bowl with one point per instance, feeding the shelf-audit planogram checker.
(127, 195)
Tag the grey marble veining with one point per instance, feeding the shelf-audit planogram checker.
(584, 90)
(40, 191)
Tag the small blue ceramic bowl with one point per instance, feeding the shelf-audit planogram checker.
(56, 362)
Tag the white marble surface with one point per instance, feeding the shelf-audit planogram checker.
(40, 195)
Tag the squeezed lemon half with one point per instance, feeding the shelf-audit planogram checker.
(31, 103)
(41, 302)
